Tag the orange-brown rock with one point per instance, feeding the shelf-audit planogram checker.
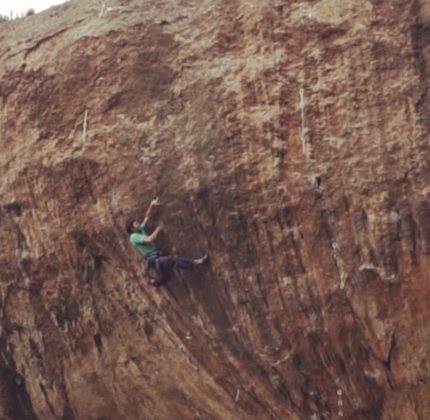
(288, 139)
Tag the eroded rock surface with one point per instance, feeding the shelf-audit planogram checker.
(289, 139)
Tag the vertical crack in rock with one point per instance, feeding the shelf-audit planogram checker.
(99, 343)
(387, 362)
(45, 394)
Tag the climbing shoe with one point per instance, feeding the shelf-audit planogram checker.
(204, 260)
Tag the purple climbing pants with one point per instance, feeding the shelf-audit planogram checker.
(165, 265)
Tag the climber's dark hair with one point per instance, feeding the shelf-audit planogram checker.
(129, 226)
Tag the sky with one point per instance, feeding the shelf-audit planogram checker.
(21, 6)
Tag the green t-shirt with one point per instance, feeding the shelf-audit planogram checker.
(147, 249)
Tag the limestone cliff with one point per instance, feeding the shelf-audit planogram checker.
(286, 138)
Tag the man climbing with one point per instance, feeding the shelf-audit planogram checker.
(144, 242)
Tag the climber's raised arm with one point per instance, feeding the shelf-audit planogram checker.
(150, 212)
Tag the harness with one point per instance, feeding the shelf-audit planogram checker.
(152, 262)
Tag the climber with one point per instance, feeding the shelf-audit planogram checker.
(144, 242)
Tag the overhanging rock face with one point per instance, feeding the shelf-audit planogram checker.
(288, 139)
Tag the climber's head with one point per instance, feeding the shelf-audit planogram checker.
(132, 226)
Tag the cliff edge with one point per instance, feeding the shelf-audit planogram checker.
(287, 139)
